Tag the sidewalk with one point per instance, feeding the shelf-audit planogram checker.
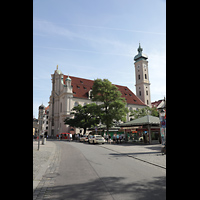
(41, 160)
(146, 153)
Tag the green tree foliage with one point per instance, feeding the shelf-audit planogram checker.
(112, 107)
(84, 116)
(144, 111)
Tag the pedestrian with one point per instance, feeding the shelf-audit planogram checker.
(110, 138)
(114, 138)
(70, 136)
(120, 138)
(117, 138)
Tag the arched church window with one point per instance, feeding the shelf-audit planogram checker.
(76, 104)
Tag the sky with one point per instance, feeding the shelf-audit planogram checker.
(97, 39)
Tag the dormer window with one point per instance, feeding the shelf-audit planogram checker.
(90, 94)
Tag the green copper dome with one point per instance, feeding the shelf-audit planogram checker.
(68, 79)
(140, 55)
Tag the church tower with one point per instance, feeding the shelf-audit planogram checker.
(142, 77)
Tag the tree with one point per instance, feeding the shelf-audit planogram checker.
(144, 111)
(113, 105)
(84, 116)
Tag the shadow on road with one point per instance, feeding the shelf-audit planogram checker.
(96, 189)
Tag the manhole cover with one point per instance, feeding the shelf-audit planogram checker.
(51, 175)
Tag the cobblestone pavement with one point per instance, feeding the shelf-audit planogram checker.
(45, 155)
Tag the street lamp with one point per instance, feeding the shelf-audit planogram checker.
(41, 109)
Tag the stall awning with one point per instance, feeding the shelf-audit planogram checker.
(146, 120)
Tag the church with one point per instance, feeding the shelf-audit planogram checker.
(69, 91)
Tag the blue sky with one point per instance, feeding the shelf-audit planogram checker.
(97, 39)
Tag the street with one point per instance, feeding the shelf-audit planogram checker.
(88, 171)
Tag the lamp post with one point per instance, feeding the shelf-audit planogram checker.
(41, 109)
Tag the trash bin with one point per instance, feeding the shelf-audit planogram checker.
(43, 140)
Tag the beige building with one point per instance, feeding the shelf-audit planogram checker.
(69, 91)
(142, 77)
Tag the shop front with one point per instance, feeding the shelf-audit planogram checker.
(145, 129)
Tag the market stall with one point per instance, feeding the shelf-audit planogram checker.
(144, 125)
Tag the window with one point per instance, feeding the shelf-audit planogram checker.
(145, 76)
(147, 102)
(90, 94)
(139, 76)
(140, 93)
(76, 104)
(147, 92)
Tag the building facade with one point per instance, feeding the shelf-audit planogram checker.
(142, 77)
(69, 91)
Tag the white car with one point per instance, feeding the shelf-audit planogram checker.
(84, 138)
(96, 139)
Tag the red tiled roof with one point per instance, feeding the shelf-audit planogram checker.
(82, 86)
(156, 103)
(46, 108)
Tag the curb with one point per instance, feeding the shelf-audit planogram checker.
(136, 158)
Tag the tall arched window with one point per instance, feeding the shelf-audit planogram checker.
(61, 107)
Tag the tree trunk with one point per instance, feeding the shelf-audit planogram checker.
(107, 129)
(84, 131)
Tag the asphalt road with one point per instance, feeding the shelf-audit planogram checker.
(91, 172)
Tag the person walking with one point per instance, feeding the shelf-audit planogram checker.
(70, 136)
(117, 138)
(120, 138)
(114, 139)
(110, 138)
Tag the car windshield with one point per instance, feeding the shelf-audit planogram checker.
(98, 136)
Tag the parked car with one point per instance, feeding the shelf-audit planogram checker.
(96, 139)
(84, 138)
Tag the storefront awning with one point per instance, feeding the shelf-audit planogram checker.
(146, 120)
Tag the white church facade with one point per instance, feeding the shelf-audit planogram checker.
(69, 91)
